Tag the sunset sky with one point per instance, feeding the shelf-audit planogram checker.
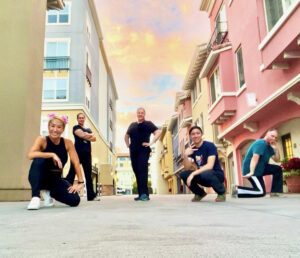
(149, 44)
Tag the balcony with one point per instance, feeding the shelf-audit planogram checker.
(218, 37)
(223, 109)
(56, 63)
(88, 75)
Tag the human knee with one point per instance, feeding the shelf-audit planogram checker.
(185, 174)
(38, 162)
(74, 201)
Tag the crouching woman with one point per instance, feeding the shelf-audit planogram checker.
(49, 155)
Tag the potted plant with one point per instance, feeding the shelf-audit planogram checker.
(291, 174)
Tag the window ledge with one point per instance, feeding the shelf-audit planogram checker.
(241, 90)
(277, 26)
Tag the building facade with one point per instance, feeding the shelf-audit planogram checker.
(124, 174)
(252, 69)
(77, 78)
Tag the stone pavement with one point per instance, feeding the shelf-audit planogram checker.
(167, 226)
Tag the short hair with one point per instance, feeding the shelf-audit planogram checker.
(271, 130)
(142, 109)
(57, 118)
(195, 127)
(81, 113)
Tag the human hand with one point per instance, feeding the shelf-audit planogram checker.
(189, 179)
(57, 161)
(190, 150)
(274, 145)
(146, 144)
(250, 174)
(75, 188)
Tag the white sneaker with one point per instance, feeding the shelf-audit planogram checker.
(48, 201)
(97, 198)
(34, 204)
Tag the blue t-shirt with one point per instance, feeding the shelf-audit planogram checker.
(204, 151)
(265, 152)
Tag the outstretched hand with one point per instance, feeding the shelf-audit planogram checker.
(190, 150)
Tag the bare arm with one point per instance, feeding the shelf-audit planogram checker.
(276, 156)
(253, 164)
(187, 163)
(75, 161)
(156, 134)
(126, 138)
(84, 135)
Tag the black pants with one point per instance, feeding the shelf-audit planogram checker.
(139, 163)
(86, 161)
(40, 179)
(258, 185)
(208, 178)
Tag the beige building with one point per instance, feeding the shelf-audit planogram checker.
(124, 174)
(21, 80)
(200, 108)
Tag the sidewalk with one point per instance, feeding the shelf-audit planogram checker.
(167, 226)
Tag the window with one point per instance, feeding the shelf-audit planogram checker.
(59, 17)
(215, 87)
(199, 82)
(194, 92)
(121, 165)
(275, 9)
(55, 85)
(221, 25)
(240, 67)
(122, 159)
(201, 124)
(56, 48)
(87, 95)
(287, 145)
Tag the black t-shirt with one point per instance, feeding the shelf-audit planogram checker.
(139, 133)
(82, 145)
(204, 151)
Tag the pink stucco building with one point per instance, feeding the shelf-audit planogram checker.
(252, 67)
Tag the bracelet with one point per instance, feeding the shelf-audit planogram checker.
(79, 182)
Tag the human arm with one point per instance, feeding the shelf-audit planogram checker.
(156, 134)
(187, 162)
(36, 151)
(253, 164)
(75, 162)
(84, 135)
(208, 166)
(126, 138)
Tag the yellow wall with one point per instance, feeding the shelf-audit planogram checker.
(21, 80)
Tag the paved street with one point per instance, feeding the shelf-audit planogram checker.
(167, 226)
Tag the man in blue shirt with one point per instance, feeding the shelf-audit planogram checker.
(208, 173)
(256, 165)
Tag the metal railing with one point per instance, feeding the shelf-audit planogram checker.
(56, 63)
(218, 36)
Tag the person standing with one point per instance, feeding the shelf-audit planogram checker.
(256, 166)
(83, 138)
(137, 139)
(49, 155)
(208, 173)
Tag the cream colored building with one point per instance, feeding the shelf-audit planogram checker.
(21, 80)
(124, 174)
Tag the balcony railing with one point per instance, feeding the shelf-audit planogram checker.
(88, 75)
(218, 36)
(56, 63)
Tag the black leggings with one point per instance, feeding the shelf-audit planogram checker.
(40, 178)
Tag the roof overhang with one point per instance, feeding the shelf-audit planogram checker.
(207, 5)
(180, 97)
(196, 65)
(211, 60)
(172, 122)
(186, 122)
(55, 4)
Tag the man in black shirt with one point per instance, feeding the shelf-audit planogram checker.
(209, 173)
(139, 134)
(83, 138)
